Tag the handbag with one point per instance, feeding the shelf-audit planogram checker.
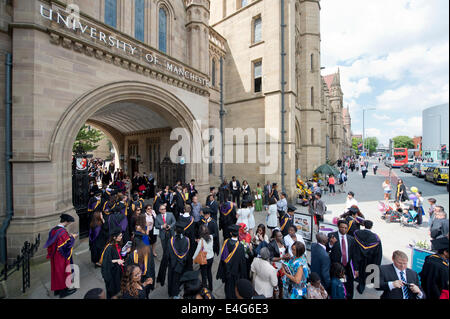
(201, 257)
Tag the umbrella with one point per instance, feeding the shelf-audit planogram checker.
(326, 169)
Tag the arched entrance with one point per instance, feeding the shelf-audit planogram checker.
(104, 107)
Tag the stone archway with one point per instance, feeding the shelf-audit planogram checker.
(79, 112)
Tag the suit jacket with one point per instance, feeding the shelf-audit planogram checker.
(336, 252)
(238, 186)
(387, 274)
(320, 264)
(170, 220)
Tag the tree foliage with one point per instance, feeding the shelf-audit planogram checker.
(403, 141)
(88, 138)
(371, 143)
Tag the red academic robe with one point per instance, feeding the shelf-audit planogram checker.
(59, 250)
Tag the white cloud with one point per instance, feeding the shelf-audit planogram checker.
(381, 117)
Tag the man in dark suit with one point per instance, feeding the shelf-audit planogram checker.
(235, 188)
(342, 250)
(165, 225)
(178, 208)
(213, 206)
(397, 281)
(320, 261)
(191, 187)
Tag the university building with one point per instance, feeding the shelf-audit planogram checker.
(137, 70)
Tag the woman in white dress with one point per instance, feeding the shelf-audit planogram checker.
(245, 216)
(272, 220)
(251, 218)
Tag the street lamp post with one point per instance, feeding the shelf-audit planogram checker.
(364, 129)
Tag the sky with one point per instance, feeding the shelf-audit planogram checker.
(393, 55)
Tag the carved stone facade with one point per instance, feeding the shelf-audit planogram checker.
(72, 67)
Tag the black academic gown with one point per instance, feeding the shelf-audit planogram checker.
(178, 254)
(232, 270)
(434, 276)
(97, 241)
(111, 272)
(190, 232)
(227, 218)
(213, 231)
(353, 225)
(285, 222)
(147, 268)
(368, 252)
(179, 205)
(156, 203)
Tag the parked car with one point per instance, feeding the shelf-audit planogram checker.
(439, 175)
(416, 168)
(429, 174)
(407, 168)
(423, 167)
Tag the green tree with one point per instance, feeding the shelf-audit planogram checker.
(403, 141)
(355, 142)
(88, 138)
(371, 144)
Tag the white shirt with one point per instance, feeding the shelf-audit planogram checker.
(288, 241)
(391, 283)
(350, 202)
(208, 247)
(234, 186)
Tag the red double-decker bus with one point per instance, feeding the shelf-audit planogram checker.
(400, 157)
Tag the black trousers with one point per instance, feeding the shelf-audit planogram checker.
(349, 284)
(236, 198)
(364, 174)
(173, 283)
(207, 281)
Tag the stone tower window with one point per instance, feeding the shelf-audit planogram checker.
(257, 27)
(213, 73)
(139, 19)
(312, 62)
(312, 96)
(257, 76)
(162, 34)
(111, 13)
(312, 136)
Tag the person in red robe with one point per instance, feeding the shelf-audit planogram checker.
(59, 250)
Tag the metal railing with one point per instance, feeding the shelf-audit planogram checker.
(23, 260)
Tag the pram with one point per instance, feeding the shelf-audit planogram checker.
(389, 215)
(409, 218)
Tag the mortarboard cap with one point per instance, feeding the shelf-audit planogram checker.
(245, 288)
(190, 276)
(66, 218)
(292, 208)
(234, 228)
(206, 210)
(440, 243)
(115, 231)
(180, 224)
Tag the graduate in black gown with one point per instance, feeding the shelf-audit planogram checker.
(434, 274)
(142, 256)
(178, 251)
(157, 201)
(368, 252)
(232, 265)
(95, 204)
(190, 232)
(98, 236)
(112, 263)
(352, 219)
(287, 220)
(212, 227)
(227, 218)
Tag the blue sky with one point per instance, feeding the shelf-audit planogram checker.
(393, 55)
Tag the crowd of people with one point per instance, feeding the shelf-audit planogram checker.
(267, 260)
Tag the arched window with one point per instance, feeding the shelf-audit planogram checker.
(312, 62)
(162, 30)
(111, 13)
(312, 136)
(139, 19)
(312, 96)
(213, 73)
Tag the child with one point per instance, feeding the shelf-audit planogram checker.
(337, 289)
(315, 288)
(420, 210)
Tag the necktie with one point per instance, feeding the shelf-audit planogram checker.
(404, 288)
(164, 218)
(344, 252)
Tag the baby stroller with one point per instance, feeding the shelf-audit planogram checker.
(389, 215)
(409, 217)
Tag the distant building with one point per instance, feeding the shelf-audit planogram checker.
(435, 132)
(418, 146)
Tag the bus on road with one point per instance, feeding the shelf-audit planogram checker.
(400, 157)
